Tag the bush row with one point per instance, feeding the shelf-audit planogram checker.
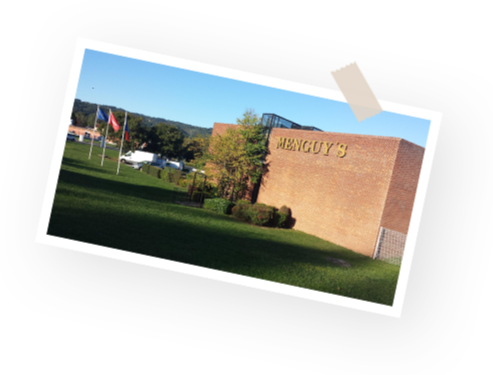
(172, 175)
(167, 174)
(219, 205)
(258, 213)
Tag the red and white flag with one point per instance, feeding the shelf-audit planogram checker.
(113, 122)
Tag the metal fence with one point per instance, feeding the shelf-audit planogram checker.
(194, 194)
(390, 246)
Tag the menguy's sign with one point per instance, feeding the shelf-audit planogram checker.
(315, 147)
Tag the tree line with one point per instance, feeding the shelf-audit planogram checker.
(233, 161)
(83, 115)
(163, 139)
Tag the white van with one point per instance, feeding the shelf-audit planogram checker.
(133, 157)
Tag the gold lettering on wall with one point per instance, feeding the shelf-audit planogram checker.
(293, 144)
(296, 144)
(319, 147)
(327, 147)
(287, 145)
(304, 143)
(341, 152)
(280, 142)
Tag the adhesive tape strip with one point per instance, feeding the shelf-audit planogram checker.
(357, 92)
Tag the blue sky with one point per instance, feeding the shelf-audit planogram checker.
(201, 99)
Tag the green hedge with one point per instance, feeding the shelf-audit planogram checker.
(219, 205)
(240, 210)
(165, 176)
(151, 170)
(261, 214)
(169, 174)
(154, 171)
(145, 168)
(182, 182)
(283, 217)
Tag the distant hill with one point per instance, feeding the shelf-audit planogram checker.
(189, 130)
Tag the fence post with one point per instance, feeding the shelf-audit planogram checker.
(376, 252)
(202, 193)
(193, 188)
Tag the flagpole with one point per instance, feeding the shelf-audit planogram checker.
(106, 138)
(121, 145)
(94, 131)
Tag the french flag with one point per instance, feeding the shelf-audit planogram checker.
(125, 129)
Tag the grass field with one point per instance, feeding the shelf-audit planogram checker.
(135, 212)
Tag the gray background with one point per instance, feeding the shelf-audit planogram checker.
(453, 246)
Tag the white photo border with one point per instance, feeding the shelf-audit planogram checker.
(42, 236)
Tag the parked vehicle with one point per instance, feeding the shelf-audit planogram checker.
(175, 164)
(133, 157)
(196, 170)
(161, 163)
(71, 137)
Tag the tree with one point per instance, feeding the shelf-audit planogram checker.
(166, 140)
(250, 118)
(139, 134)
(195, 150)
(73, 118)
(79, 119)
(254, 136)
(235, 158)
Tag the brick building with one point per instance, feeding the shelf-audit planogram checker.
(85, 131)
(341, 187)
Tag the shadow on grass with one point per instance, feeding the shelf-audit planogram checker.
(126, 213)
(96, 188)
(74, 163)
(236, 248)
(115, 187)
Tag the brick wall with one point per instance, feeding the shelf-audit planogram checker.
(340, 194)
(81, 131)
(402, 190)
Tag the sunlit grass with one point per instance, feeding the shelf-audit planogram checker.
(136, 212)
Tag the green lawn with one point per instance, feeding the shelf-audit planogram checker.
(135, 212)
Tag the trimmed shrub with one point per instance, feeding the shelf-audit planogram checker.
(284, 210)
(283, 217)
(154, 171)
(145, 168)
(182, 182)
(176, 177)
(240, 210)
(165, 175)
(219, 205)
(169, 174)
(261, 214)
